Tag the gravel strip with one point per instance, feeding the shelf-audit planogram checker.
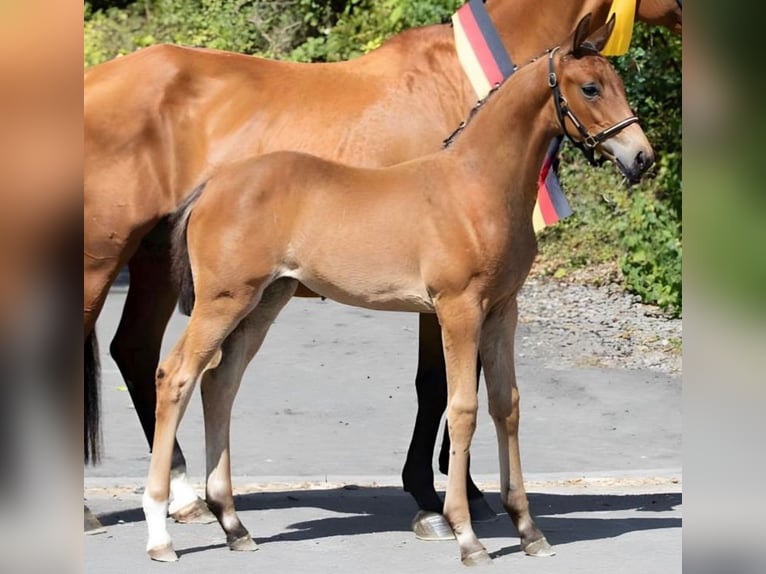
(568, 324)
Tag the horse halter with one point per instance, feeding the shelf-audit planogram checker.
(589, 141)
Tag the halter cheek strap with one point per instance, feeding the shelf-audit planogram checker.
(587, 145)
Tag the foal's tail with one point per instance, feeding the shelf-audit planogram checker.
(92, 406)
(181, 265)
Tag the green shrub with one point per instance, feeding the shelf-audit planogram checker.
(270, 28)
(364, 25)
(650, 235)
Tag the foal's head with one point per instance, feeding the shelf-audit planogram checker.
(590, 102)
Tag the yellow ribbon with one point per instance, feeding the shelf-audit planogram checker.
(619, 41)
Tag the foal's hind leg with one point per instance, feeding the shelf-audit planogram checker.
(212, 319)
(136, 350)
(219, 387)
(496, 349)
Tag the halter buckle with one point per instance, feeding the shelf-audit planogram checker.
(590, 141)
(552, 79)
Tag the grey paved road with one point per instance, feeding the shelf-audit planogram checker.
(320, 430)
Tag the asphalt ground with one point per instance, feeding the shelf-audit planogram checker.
(320, 431)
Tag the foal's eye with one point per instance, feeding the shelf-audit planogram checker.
(590, 91)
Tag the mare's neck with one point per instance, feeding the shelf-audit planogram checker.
(426, 56)
(504, 144)
(527, 27)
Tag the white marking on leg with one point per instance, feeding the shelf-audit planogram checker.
(181, 492)
(156, 513)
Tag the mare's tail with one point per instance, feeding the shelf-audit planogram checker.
(181, 265)
(92, 405)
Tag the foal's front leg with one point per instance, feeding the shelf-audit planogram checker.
(496, 348)
(461, 321)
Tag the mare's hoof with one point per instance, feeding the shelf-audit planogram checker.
(244, 544)
(431, 526)
(164, 553)
(539, 547)
(92, 524)
(480, 510)
(195, 512)
(477, 558)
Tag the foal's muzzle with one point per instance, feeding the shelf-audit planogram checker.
(633, 171)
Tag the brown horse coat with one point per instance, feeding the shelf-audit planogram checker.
(159, 121)
(449, 233)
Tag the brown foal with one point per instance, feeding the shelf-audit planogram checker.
(450, 233)
(157, 123)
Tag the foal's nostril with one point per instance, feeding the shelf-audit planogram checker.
(640, 160)
(643, 161)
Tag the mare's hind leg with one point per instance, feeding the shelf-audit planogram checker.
(136, 350)
(219, 387)
(497, 350)
(417, 475)
(212, 319)
(98, 275)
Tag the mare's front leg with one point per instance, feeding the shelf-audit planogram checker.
(219, 387)
(417, 475)
(136, 350)
(461, 320)
(497, 349)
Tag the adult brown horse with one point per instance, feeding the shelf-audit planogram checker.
(450, 233)
(157, 122)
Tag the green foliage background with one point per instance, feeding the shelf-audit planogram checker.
(637, 231)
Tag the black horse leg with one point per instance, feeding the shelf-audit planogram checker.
(431, 388)
(136, 351)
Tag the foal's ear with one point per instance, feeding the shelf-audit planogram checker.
(581, 32)
(600, 37)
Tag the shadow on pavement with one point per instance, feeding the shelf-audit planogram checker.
(366, 510)
(196, 549)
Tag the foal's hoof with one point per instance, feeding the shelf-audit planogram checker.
(243, 544)
(480, 510)
(431, 526)
(477, 558)
(539, 547)
(164, 553)
(92, 524)
(195, 512)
